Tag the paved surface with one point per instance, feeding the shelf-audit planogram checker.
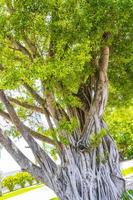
(129, 178)
(43, 193)
(129, 182)
(126, 164)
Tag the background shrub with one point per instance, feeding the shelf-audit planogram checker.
(20, 178)
(120, 123)
(28, 178)
(37, 181)
(9, 182)
(23, 178)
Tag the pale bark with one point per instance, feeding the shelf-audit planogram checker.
(30, 131)
(83, 175)
(89, 167)
(87, 176)
(17, 46)
(46, 163)
(41, 102)
(26, 105)
(20, 158)
(91, 170)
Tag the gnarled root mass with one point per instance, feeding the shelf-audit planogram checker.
(91, 174)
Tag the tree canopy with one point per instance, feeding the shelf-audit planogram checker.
(54, 46)
(72, 34)
(55, 61)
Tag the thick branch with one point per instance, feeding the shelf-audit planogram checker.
(54, 110)
(31, 46)
(100, 97)
(1, 67)
(104, 60)
(20, 158)
(30, 131)
(102, 84)
(26, 105)
(36, 96)
(18, 46)
(10, 6)
(101, 93)
(40, 136)
(49, 106)
(41, 101)
(42, 157)
(5, 115)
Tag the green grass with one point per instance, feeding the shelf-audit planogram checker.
(127, 171)
(128, 195)
(20, 191)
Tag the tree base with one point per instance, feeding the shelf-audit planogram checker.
(86, 176)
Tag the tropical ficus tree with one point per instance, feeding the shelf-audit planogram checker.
(55, 60)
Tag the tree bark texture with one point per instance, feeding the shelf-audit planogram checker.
(91, 174)
(89, 168)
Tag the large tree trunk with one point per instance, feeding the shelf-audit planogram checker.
(89, 167)
(91, 174)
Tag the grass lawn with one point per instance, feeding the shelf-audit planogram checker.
(127, 171)
(20, 191)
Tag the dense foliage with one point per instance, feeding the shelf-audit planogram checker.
(19, 179)
(58, 49)
(75, 30)
(120, 122)
(9, 182)
(58, 60)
